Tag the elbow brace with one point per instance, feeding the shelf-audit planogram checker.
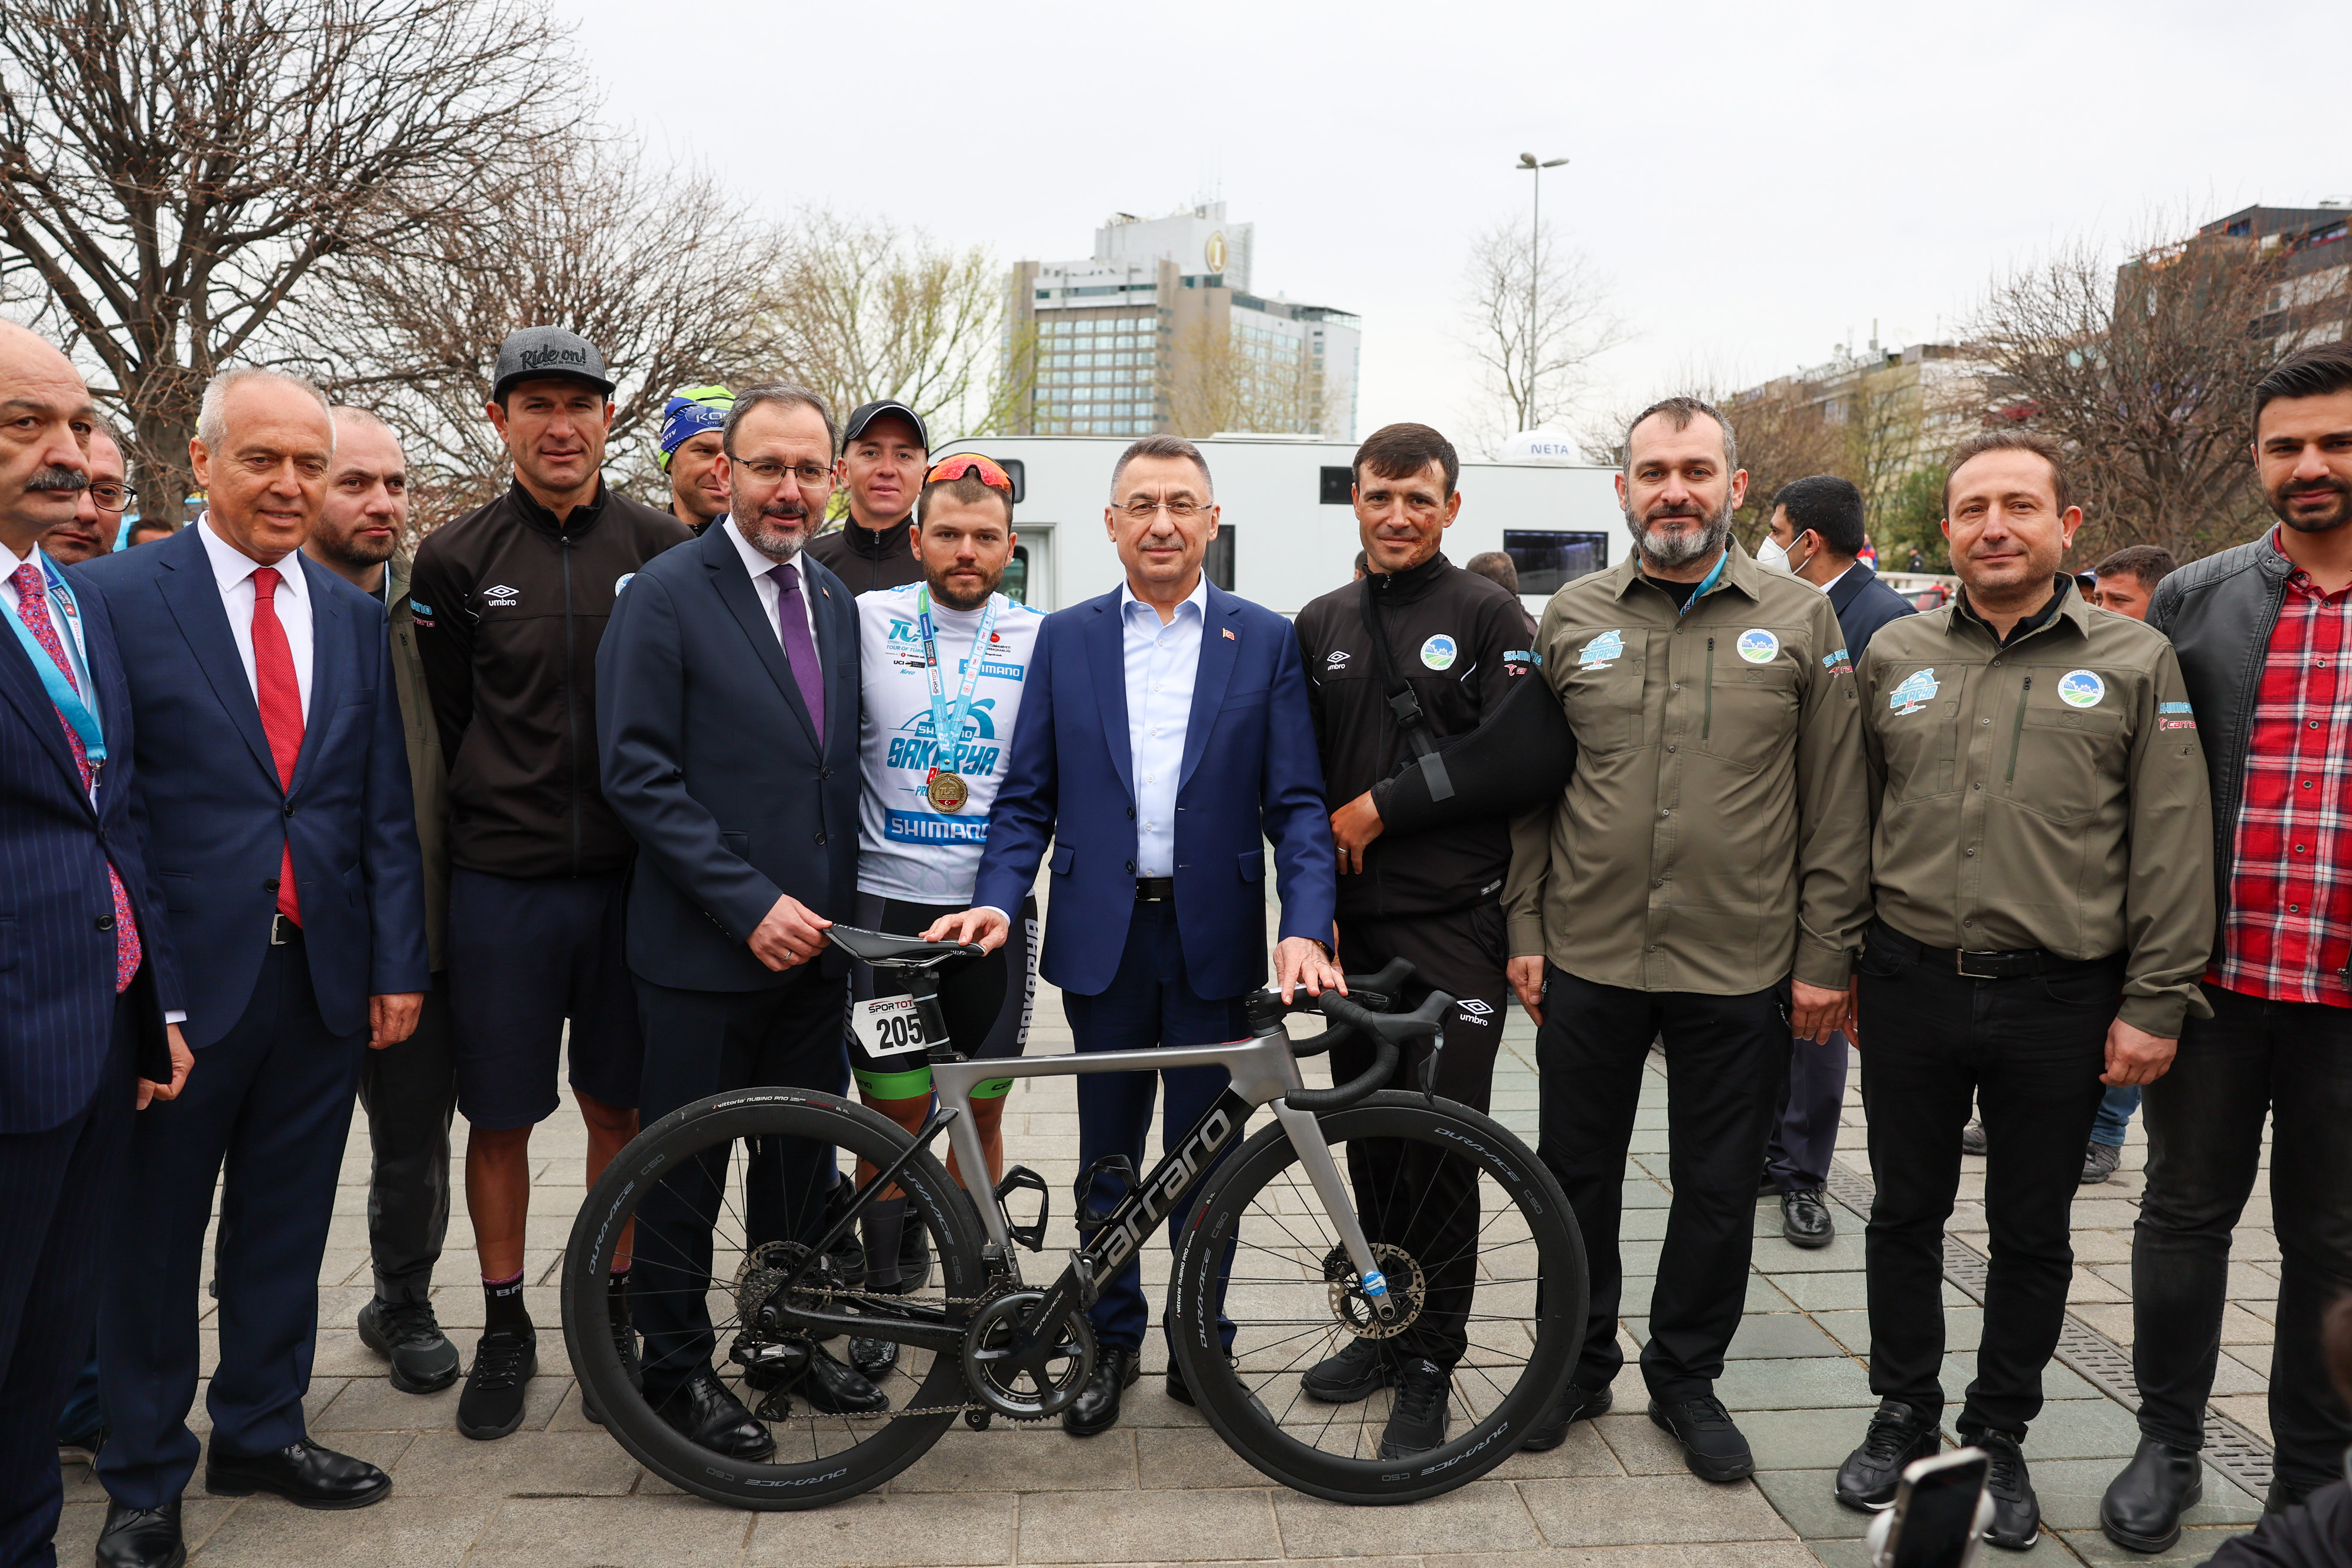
(1522, 755)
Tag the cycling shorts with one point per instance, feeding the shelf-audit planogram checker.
(987, 1002)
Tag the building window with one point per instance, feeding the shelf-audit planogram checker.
(1547, 559)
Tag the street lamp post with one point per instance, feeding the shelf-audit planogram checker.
(1535, 266)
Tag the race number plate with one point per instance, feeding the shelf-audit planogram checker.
(887, 1025)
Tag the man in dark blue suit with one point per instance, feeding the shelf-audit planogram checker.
(85, 969)
(269, 737)
(727, 693)
(1817, 537)
(1164, 736)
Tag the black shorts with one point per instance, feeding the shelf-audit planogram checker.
(524, 957)
(987, 1002)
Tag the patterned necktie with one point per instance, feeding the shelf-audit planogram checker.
(33, 607)
(281, 697)
(800, 651)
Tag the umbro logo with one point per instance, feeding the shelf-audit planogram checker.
(1338, 657)
(501, 594)
(1476, 1008)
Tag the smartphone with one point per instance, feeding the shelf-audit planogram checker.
(1935, 1510)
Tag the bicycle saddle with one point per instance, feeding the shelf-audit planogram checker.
(895, 951)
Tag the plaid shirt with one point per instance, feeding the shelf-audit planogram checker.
(2287, 933)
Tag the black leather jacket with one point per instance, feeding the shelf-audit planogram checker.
(2220, 613)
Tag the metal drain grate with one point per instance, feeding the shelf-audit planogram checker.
(2237, 1453)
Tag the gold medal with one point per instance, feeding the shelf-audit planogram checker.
(948, 791)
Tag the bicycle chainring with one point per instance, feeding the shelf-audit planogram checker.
(1354, 1310)
(1030, 1385)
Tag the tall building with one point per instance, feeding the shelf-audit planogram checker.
(1160, 331)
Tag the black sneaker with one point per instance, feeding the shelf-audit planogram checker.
(407, 1334)
(1358, 1371)
(624, 1346)
(1417, 1420)
(505, 1361)
(1574, 1403)
(1972, 1138)
(2016, 1511)
(2099, 1162)
(1712, 1445)
(1899, 1435)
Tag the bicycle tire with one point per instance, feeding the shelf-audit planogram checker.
(668, 1144)
(1273, 1441)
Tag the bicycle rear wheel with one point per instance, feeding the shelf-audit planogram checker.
(819, 1457)
(1466, 1222)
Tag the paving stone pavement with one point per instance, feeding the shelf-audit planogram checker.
(1162, 1488)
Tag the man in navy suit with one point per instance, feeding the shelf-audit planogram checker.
(269, 736)
(1817, 538)
(727, 693)
(86, 967)
(1165, 734)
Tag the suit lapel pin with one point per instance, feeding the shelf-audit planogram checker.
(1229, 635)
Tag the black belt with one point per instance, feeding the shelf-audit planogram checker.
(2012, 963)
(283, 933)
(1155, 889)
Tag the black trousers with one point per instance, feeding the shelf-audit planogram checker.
(262, 1119)
(2029, 1052)
(1804, 1136)
(701, 1043)
(1406, 1194)
(2292, 1062)
(410, 1092)
(1725, 1060)
(61, 1192)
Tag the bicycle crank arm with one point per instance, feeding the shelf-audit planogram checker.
(1307, 1137)
(784, 1319)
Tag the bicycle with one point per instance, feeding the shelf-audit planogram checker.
(1272, 1246)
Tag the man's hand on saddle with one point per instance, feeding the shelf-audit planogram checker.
(790, 933)
(988, 928)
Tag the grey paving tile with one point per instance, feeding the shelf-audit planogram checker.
(615, 1533)
(1485, 1516)
(1151, 1526)
(897, 1531)
(523, 1463)
(1765, 1336)
(2078, 1429)
(1715, 1555)
(1808, 1500)
(1582, 1452)
(2194, 1546)
(1803, 1439)
(1842, 1255)
(398, 1532)
(1181, 1458)
(373, 1404)
(1650, 1510)
(1027, 1461)
(1816, 1384)
(2070, 1490)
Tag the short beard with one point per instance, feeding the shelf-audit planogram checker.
(777, 544)
(1670, 551)
(348, 551)
(2342, 515)
(948, 596)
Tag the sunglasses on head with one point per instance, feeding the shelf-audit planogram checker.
(956, 467)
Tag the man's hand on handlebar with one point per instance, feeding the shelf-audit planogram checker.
(1301, 962)
(988, 927)
(1526, 975)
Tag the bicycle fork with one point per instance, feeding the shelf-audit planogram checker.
(1306, 1133)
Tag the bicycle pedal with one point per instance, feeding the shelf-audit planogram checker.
(1021, 1178)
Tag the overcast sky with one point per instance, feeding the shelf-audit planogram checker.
(1759, 182)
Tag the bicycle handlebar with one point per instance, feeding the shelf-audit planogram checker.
(1388, 1032)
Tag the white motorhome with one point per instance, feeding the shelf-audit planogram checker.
(1287, 532)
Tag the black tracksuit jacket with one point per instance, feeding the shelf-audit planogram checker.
(867, 558)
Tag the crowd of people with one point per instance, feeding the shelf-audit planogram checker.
(291, 817)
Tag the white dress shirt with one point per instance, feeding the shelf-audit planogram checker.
(771, 591)
(9, 562)
(234, 569)
(1162, 662)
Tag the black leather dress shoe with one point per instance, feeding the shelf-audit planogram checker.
(142, 1537)
(702, 1411)
(302, 1473)
(1805, 1219)
(1096, 1409)
(2142, 1508)
(829, 1386)
(1899, 1435)
(1574, 1405)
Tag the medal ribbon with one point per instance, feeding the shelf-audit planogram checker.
(76, 712)
(947, 722)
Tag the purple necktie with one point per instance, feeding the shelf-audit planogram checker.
(793, 621)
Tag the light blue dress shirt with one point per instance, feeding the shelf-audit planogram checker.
(1162, 662)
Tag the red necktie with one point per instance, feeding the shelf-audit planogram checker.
(33, 608)
(281, 710)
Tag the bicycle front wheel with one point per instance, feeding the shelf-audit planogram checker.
(1289, 1360)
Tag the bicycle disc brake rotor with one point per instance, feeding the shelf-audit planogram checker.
(1020, 1373)
(1355, 1310)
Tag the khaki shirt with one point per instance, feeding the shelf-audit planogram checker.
(2049, 793)
(428, 775)
(1715, 836)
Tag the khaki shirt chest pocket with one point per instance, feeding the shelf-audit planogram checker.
(2067, 745)
(1916, 711)
(1747, 703)
(1599, 678)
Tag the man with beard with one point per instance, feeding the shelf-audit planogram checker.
(90, 534)
(883, 448)
(729, 708)
(509, 602)
(409, 1089)
(2262, 632)
(690, 455)
(1703, 877)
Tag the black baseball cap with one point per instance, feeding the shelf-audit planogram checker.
(536, 352)
(865, 413)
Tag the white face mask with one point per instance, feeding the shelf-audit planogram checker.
(1773, 556)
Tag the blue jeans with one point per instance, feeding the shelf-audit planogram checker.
(2114, 1116)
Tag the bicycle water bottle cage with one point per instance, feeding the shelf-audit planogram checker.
(1022, 1179)
(1083, 1189)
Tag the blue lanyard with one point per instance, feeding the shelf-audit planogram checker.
(947, 722)
(68, 702)
(1706, 581)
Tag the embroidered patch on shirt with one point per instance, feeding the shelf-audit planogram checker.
(1918, 689)
(2081, 689)
(1757, 645)
(1596, 654)
(1438, 652)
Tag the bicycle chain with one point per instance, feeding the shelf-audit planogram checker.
(894, 1299)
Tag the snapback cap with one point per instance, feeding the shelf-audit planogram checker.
(865, 413)
(537, 352)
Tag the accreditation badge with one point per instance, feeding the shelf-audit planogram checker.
(948, 791)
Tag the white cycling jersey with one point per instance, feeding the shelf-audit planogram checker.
(906, 847)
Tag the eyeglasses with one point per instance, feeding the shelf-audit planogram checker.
(1142, 511)
(767, 470)
(956, 467)
(110, 497)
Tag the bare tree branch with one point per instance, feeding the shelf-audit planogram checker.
(1531, 367)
